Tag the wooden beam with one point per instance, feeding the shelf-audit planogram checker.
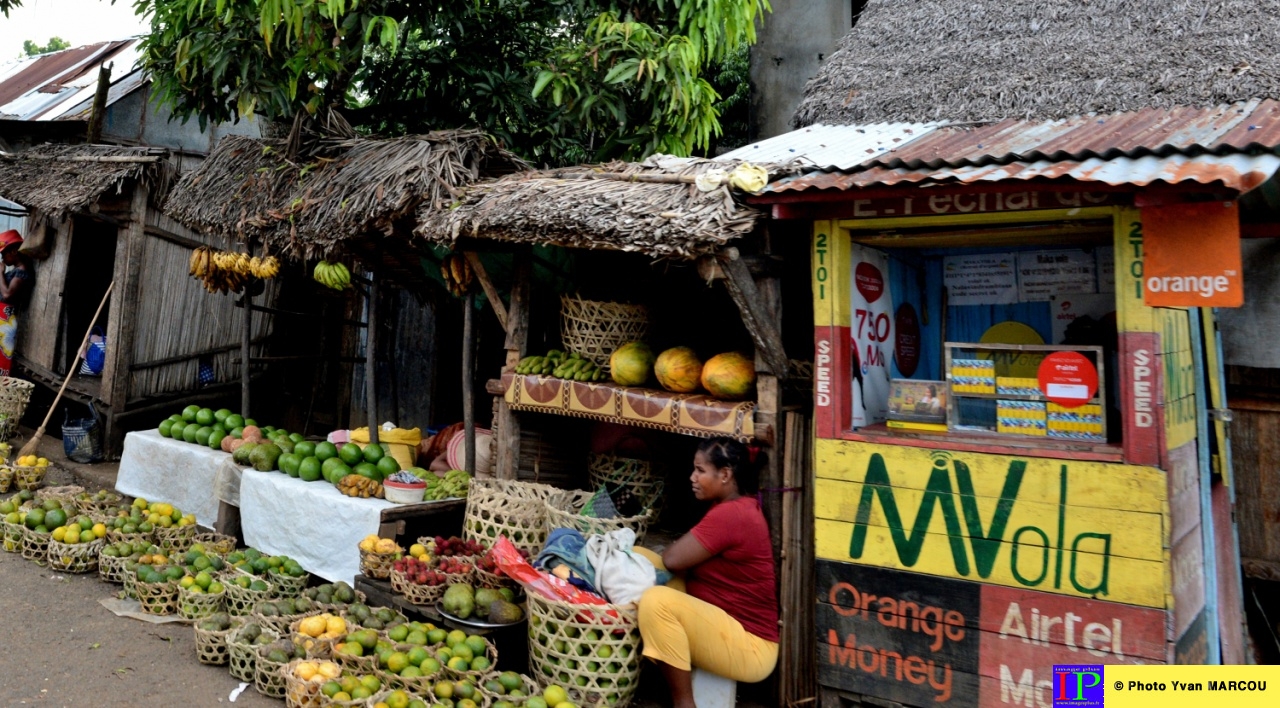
(98, 110)
(756, 314)
(507, 451)
(371, 363)
(469, 382)
(246, 361)
(490, 292)
(122, 320)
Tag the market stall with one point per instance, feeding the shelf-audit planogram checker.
(161, 469)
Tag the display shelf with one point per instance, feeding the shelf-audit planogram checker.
(1016, 397)
(685, 414)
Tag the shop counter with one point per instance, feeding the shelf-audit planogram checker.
(157, 468)
(316, 525)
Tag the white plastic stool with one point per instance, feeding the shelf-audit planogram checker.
(713, 691)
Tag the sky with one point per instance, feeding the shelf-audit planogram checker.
(77, 21)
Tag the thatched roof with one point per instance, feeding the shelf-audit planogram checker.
(60, 179)
(985, 60)
(652, 207)
(345, 201)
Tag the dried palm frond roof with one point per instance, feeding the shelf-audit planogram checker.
(653, 207)
(60, 179)
(982, 60)
(345, 200)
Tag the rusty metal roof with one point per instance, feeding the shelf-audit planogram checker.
(1232, 145)
(46, 86)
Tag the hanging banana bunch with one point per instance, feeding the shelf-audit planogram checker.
(228, 271)
(332, 275)
(457, 274)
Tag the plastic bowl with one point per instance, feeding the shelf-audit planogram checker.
(402, 493)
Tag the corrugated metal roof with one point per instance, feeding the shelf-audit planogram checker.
(1238, 172)
(47, 86)
(1204, 145)
(833, 147)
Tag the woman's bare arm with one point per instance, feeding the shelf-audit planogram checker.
(684, 553)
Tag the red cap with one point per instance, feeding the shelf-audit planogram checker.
(10, 238)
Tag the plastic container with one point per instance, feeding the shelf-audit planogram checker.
(403, 492)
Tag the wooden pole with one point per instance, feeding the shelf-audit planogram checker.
(371, 362)
(469, 380)
(98, 111)
(507, 450)
(246, 337)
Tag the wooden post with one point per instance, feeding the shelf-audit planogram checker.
(371, 361)
(759, 310)
(246, 337)
(122, 321)
(507, 452)
(469, 380)
(99, 109)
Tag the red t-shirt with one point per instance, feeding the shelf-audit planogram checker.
(739, 577)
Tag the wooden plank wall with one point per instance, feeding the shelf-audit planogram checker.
(38, 333)
(1255, 440)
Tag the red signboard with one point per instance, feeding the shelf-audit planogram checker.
(1068, 379)
(1141, 397)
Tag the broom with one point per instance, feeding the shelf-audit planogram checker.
(34, 442)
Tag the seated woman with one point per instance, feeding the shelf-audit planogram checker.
(726, 622)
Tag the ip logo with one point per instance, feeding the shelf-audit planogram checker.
(1077, 685)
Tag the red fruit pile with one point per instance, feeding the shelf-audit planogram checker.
(455, 566)
(419, 573)
(454, 546)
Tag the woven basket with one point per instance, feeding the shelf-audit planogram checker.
(528, 685)
(283, 586)
(299, 693)
(194, 606)
(416, 685)
(218, 543)
(508, 508)
(496, 581)
(280, 623)
(6, 477)
(75, 558)
(367, 664)
(420, 595)
(112, 568)
(116, 536)
(376, 565)
(241, 601)
(316, 648)
(103, 506)
(242, 656)
(268, 677)
(490, 651)
(582, 630)
(28, 479)
(13, 534)
(594, 329)
(157, 598)
(177, 539)
(35, 546)
(565, 511)
(14, 396)
(627, 476)
(211, 647)
(130, 584)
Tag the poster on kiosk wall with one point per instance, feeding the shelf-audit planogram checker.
(873, 337)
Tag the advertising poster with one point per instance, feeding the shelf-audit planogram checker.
(872, 330)
(1042, 274)
(990, 279)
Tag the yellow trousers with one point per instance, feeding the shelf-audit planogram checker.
(685, 632)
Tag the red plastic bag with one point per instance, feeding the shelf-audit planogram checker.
(514, 566)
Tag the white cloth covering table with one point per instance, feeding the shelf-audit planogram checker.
(183, 474)
(311, 522)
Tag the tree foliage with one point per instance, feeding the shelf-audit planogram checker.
(7, 5)
(56, 44)
(557, 80)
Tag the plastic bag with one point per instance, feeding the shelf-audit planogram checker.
(95, 354)
(549, 586)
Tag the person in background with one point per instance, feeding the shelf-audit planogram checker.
(725, 619)
(14, 287)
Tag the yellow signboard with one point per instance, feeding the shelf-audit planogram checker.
(1084, 529)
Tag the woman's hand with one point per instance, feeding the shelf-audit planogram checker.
(684, 553)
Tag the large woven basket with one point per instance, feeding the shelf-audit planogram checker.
(157, 598)
(242, 656)
(566, 639)
(268, 676)
(14, 396)
(627, 476)
(6, 478)
(13, 534)
(565, 511)
(299, 693)
(219, 543)
(377, 565)
(211, 647)
(508, 508)
(74, 558)
(35, 546)
(112, 568)
(28, 479)
(176, 539)
(194, 606)
(594, 329)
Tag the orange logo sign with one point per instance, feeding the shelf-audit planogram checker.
(1191, 255)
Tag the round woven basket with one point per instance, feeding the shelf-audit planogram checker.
(14, 396)
(367, 664)
(111, 568)
(565, 511)
(528, 685)
(157, 598)
(627, 476)
(594, 329)
(219, 543)
(211, 647)
(316, 648)
(376, 565)
(28, 479)
(490, 651)
(242, 656)
(508, 508)
(176, 539)
(283, 586)
(299, 693)
(6, 478)
(35, 546)
(268, 677)
(194, 606)
(280, 623)
(100, 506)
(416, 685)
(75, 558)
(420, 595)
(12, 539)
(582, 631)
(116, 536)
(240, 601)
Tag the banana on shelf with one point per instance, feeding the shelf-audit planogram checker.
(457, 274)
(569, 366)
(332, 275)
(228, 271)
